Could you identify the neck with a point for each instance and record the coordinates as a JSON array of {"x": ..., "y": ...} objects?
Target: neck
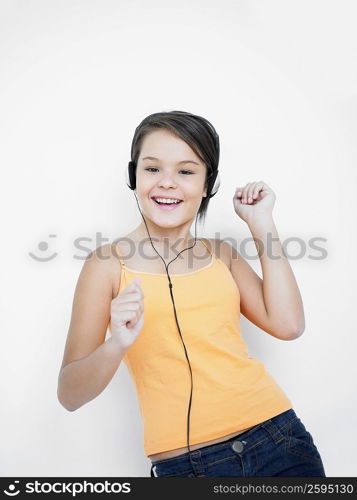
[{"x": 181, "y": 236}]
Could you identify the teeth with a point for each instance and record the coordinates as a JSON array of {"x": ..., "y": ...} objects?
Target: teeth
[{"x": 164, "y": 200}]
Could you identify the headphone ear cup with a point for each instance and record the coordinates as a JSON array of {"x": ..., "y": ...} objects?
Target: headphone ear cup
[
  {"x": 127, "y": 180},
  {"x": 130, "y": 179},
  {"x": 130, "y": 176},
  {"x": 216, "y": 181}
]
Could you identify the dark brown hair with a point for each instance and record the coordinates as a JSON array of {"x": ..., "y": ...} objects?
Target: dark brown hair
[{"x": 195, "y": 130}]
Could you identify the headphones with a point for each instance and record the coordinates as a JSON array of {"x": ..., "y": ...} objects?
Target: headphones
[
  {"x": 213, "y": 183},
  {"x": 213, "y": 180}
]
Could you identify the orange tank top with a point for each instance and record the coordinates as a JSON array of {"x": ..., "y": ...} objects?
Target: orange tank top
[{"x": 231, "y": 390}]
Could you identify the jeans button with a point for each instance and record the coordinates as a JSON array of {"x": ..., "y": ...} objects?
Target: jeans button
[{"x": 238, "y": 446}]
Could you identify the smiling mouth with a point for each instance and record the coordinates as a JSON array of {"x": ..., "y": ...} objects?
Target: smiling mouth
[
  {"x": 163, "y": 203},
  {"x": 167, "y": 206}
]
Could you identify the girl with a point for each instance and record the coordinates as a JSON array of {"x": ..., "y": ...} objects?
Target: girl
[{"x": 172, "y": 302}]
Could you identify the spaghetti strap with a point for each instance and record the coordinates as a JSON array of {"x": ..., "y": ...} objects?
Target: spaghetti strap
[
  {"x": 118, "y": 254},
  {"x": 208, "y": 248}
]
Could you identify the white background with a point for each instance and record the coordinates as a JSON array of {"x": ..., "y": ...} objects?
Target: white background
[{"x": 278, "y": 80}]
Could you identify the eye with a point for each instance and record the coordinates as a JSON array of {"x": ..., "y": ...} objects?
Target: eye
[{"x": 188, "y": 172}]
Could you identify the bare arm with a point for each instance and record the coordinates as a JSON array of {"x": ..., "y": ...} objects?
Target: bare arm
[
  {"x": 89, "y": 362},
  {"x": 281, "y": 293},
  {"x": 83, "y": 380},
  {"x": 273, "y": 303}
]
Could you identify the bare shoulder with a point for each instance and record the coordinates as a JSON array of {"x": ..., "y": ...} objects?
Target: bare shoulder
[
  {"x": 106, "y": 258},
  {"x": 91, "y": 306},
  {"x": 222, "y": 249}
]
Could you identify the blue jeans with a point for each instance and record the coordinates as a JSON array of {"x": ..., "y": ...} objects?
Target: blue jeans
[{"x": 280, "y": 446}]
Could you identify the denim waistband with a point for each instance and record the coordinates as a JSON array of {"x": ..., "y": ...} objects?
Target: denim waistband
[{"x": 251, "y": 438}]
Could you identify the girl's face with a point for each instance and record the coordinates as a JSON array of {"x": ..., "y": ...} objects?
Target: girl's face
[{"x": 168, "y": 168}]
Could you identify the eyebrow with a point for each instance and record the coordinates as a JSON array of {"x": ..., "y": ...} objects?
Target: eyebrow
[{"x": 179, "y": 163}]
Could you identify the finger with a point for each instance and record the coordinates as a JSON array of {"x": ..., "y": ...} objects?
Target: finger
[
  {"x": 131, "y": 287},
  {"x": 250, "y": 192},
  {"x": 136, "y": 317},
  {"x": 126, "y": 317},
  {"x": 129, "y": 307},
  {"x": 123, "y": 309},
  {"x": 138, "y": 285},
  {"x": 133, "y": 296},
  {"x": 137, "y": 282},
  {"x": 259, "y": 186},
  {"x": 139, "y": 325},
  {"x": 140, "y": 291},
  {"x": 245, "y": 193}
]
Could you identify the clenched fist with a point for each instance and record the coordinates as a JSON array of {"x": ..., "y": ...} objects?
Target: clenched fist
[{"x": 127, "y": 314}]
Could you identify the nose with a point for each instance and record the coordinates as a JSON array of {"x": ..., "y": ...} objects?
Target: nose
[{"x": 167, "y": 180}]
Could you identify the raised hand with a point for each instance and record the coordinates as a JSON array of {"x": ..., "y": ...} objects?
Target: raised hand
[
  {"x": 127, "y": 314},
  {"x": 254, "y": 201}
]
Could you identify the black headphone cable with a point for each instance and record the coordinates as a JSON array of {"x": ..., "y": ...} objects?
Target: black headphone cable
[{"x": 178, "y": 326}]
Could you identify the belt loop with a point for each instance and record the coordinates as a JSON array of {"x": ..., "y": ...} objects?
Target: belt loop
[
  {"x": 197, "y": 464},
  {"x": 273, "y": 430}
]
